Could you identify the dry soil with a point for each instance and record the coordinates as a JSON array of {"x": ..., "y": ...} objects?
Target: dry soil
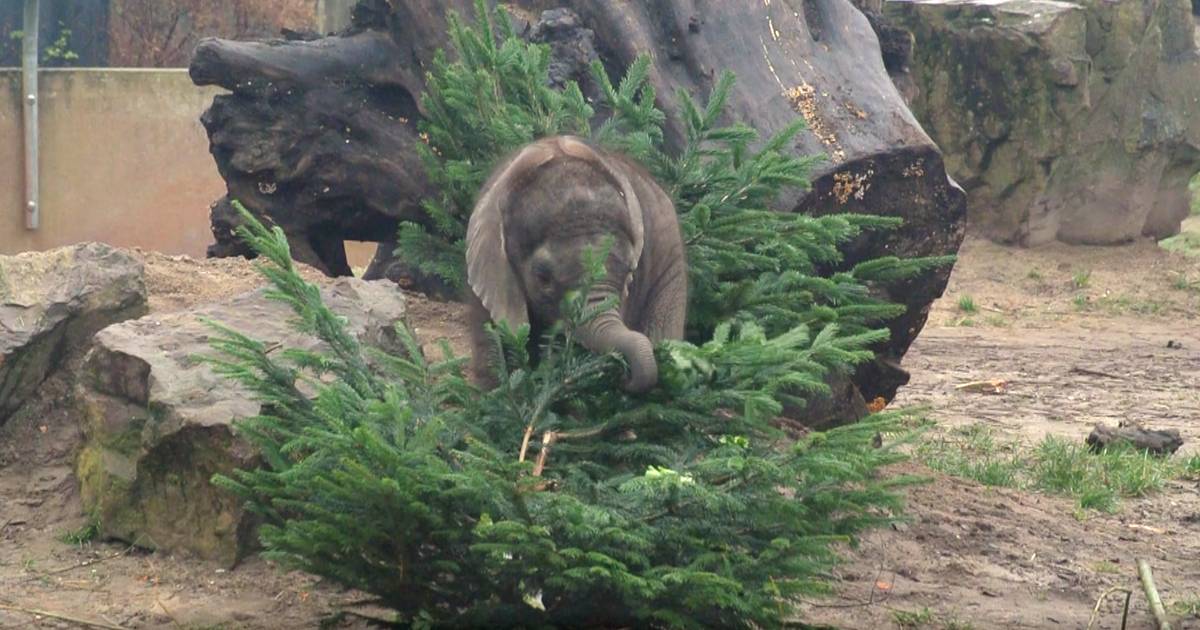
[{"x": 1080, "y": 335}]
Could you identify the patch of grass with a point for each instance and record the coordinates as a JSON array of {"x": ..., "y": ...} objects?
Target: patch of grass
[
  {"x": 997, "y": 321},
  {"x": 1186, "y": 243},
  {"x": 1097, "y": 481},
  {"x": 913, "y": 619},
  {"x": 1082, "y": 279},
  {"x": 86, "y": 533},
  {"x": 966, "y": 304},
  {"x": 1122, "y": 304},
  {"x": 1104, "y": 566},
  {"x": 954, "y": 623},
  {"x": 964, "y": 321},
  {"x": 1035, "y": 275},
  {"x": 1182, "y": 282},
  {"x": 1188, "y": 606},
  {"x": 973, "y": 452},
  {"x": 1080, "y": 301},
  {"x": 1191, "y": 467}
]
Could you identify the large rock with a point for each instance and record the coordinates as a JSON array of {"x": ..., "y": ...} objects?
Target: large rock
[
  {"x": 158, "y": 422},
  {"x": 1074, "y": 121},
  {"x": 51, "y": 303}
]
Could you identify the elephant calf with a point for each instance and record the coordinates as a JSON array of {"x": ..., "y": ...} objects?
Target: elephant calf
[{"x": 537, "y": 214}]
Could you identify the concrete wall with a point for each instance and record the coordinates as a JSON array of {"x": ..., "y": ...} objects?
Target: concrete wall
[
  {"x": 124, "y": 160},
  {"x": 334, "y": 15}
]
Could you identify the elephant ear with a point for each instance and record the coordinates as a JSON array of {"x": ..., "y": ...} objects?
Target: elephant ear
[
  {"x": 619, "y": 175},
  {"x": 489, "y": 272}
]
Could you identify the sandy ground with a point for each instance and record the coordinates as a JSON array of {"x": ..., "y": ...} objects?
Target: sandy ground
[
  {"x": 975, "y": 557},
  {"x": 995, "y": 558}
]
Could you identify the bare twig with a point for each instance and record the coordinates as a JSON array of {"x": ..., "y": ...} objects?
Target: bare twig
[
  {"x": 86, "y": 563},
  {"x": 60, "y": 616},
  {"x": 163, "y": 606},
  {"x": 525, "y": 442},
  {"x": 548, "y": 439},
  {"x": 1156, "y": 605},
  {"x": 1087, "y": 372},
  {"x": 1103, "y": 596}
]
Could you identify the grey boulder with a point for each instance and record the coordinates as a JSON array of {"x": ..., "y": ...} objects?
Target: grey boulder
[
  {"x": 158, "y": 422},
  {"x": 51, "y": 303}
]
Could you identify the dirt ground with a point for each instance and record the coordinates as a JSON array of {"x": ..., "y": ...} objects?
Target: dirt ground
[
  {"x": 1081, "y": 336},
  {"x": 975, "y": 557}
]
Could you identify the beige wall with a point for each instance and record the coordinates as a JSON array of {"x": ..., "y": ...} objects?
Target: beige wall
[{"x": 124, "y": 160}]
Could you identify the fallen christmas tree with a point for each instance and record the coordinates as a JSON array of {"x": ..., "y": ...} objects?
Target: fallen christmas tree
[{"x": 531, "y": 504}]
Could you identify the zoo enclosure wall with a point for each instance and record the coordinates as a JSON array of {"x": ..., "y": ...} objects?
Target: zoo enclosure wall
[{"x": 123, "y": 160}]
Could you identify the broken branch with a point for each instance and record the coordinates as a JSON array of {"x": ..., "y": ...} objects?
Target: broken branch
[
  {"x": 61, "y": 616},
  {"x": 1156, "y": 605}
]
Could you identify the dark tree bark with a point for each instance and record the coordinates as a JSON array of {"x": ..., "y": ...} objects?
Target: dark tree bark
[
  {"x": 318, "y": 135},
  {"x": 1156, "y": 441}
]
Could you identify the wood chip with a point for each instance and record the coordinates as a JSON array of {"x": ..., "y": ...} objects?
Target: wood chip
[{"x": 992, "y": 386}]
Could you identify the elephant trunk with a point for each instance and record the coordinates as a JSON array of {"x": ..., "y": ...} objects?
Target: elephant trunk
[{"x": 607, "y": 332}]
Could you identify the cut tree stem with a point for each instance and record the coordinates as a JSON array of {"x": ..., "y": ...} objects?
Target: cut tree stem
[{"x": 1156, "y": 605}]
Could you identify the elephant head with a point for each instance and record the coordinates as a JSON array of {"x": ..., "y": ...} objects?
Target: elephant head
[{"x": 535, "y": 218}]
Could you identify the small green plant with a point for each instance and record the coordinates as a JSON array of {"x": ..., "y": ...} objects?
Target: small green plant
[
  {"x": 1191, "y": 467},
  {"x": 1035, "y": 275},
  {"x": 965, "y": 322},
  {"x": 1182, "y": 282},
  {"x": 1082, "y": 279},
  {"x": 1187, "y": 606},
  {"x": 997, "y": 321},
  {"x": 60, "y": 48},
  {"x": 913, "y": 619},
  {"x": 1080, "y": 302},
  {"x": 84, "y": 534},
  {"x": 1105, "y": 566},
  {"x": 953, "y": 622},
  {"x": 966, "y": 304}
]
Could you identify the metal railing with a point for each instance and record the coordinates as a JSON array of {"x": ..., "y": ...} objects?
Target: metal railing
[{"x": 29, "y": 109}]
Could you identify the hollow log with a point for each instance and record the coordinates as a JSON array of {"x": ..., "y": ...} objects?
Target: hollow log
[{"x": 317, "y": 135}]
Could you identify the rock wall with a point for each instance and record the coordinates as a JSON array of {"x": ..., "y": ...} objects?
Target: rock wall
[{"x": 1070, "y": 121}]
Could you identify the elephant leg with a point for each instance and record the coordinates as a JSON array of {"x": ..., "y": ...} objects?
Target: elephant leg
[{"x": 483, "y": 369}]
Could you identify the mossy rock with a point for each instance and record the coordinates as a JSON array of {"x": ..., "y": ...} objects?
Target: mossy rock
[
  {"x": 158, "y": 423},
  {"x": 1069, "y": 121}
]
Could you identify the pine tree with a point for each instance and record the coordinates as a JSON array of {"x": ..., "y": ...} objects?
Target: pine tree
[{"x": 528, "y": 504}]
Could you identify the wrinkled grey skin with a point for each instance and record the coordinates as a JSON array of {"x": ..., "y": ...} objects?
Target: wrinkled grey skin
[{"x": 539, "y": 212}]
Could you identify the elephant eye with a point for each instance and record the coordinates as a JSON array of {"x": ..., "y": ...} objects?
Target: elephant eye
[{"x": 543, "y": 271}]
